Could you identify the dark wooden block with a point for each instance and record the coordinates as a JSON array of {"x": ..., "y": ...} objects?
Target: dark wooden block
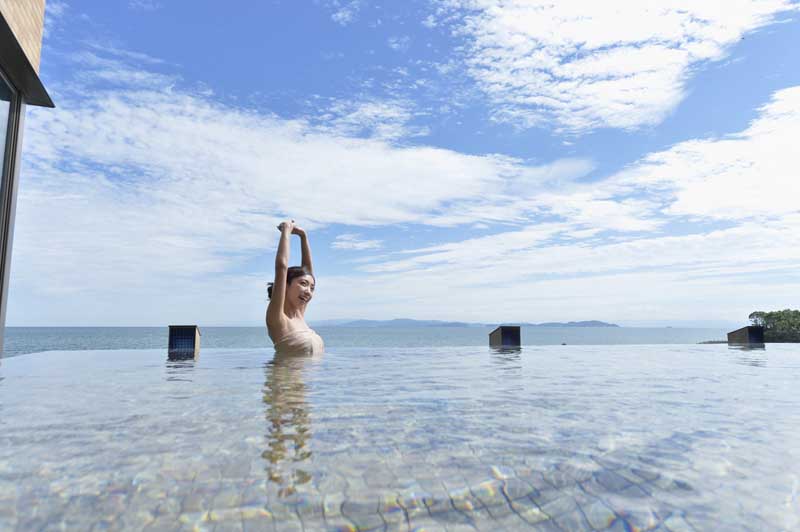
[
  {"x": 184, "y": 342},
  {"x": 505, "y": 336},
  {"x": 752, "y": 334}
]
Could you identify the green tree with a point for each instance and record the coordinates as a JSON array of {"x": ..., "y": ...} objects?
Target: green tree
[
  {"x": 779, "y": 325},
  {"x": 757, "y": 318}
]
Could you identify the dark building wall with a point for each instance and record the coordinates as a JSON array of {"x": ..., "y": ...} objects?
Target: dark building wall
[{"x": 747, "y": 335}]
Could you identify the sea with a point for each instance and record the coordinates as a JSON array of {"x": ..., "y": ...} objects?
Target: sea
[{"x": 23, "y": 340}]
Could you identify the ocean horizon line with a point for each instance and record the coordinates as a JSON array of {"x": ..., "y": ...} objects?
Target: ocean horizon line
[{"x": 421, "y": 323}]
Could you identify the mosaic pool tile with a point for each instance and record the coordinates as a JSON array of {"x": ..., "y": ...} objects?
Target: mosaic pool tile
[
  {"x": 161, "y": 523},
  {"x": 463, "y": 500},
  {"x": 598, "y": 514},
  {"x": 515, "y": 488},
  {"x": 611, "y": 481},
  {"x": 546, "y": 496},
  {"x": 536, "y": 479},
  {"x": 340, "y": 524},
  {"x": 560, "y": 506},
  {"x": 425, "y": 524},
  {"x": 572, "y": 520},
  {"x": 489, "y": 493},
  {"x": 459, "y": 527},
  {"x": 508, "y": 521},
  {"x": 676, "y": 523},
  {"x": 363, "y": 515},
  {"x": 641, "y": 518},
  {"x": 331, "y": 483},
  {"x": 545, "y": 526},
  {"x": 528, "y": 511},
  {"x": 392, "y": 512},
  {"x": 635, "y": 491}
]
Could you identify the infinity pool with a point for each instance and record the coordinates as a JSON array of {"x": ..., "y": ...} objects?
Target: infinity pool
[{"x": 668, "y": 437}]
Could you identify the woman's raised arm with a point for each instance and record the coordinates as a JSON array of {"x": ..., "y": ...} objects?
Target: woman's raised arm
[
  {"x": 305, "y": 249},
  {"x": 275, "y": 314}
]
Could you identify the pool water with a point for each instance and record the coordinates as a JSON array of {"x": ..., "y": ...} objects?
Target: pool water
[{"x": 647, "y": 437}]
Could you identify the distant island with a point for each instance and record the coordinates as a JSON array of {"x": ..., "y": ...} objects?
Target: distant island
[
  {"x": 591, "y": 323},
  {"x": 436, "y": 323}
]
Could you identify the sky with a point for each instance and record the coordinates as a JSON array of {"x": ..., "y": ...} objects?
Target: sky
[{"x": 476, "y": 160}]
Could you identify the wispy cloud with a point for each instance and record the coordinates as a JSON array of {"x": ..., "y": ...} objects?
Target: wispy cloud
[
  {"x": 399, "y": 43},
  {"x": 384, "y": 119},
  {"x": 523, "y": 275},
  {"x": 355, "y": 242},
  {"x": 145, "y": 5},
  {"x": 345, "y": 12},
  {"x": 749, "y": 174},
  {"x": 579, "y": 65},
  {"x": 113, "y": 67},
  {"x": 54, "y": 13}
]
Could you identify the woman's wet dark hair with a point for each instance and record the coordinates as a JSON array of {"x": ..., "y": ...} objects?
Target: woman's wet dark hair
[{"x": 291, "y": 274}]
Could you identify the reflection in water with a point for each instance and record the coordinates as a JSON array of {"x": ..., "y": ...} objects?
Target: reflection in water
[
  {"x": 750, "y": 354},
  {"x": 511, "y": 353},
  {"x": 507, "y": 357},
  {"x": 288, "y": 423},
  {"x": 747, "y": 347},
  {"x": 180, "y": 370}
]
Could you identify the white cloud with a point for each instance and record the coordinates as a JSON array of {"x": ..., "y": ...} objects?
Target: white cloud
[
  {"x": 144, "y": 186},
  {"x": 149, "y": 193},
  {"x": 355, "y": 242},
  {"x": 474, "y": 253},
  {"x": 399, "y": 43},
  {"x": 110, "y": 50},
  {"x": 563, "y": 271},
  {"x": 751, "y": 173},
  {"x": 531, "y": 253},
  {"x": 521, "y": 276},
  {"x": 111, "y": 65},
  {"x": 383, "y": 119},
  {"x": 581, "y": 64},
  {"x": 345, "y": 12},
  {"x": 144, "y": 5},
  {"x": 54, "y": 14},
  {"x": 56, "y": 8}
]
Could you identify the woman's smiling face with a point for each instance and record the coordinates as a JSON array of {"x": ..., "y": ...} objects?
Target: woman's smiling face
[{"x": 300, "y": 290}]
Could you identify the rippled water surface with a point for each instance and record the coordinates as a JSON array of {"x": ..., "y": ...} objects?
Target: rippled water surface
[{"x": 668, "y": 437}]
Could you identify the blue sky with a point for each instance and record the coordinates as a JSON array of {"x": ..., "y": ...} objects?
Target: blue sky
[{"x": 478, "y": 160}]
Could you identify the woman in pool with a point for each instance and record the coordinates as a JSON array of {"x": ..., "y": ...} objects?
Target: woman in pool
[{"x": 288, "y": 297}]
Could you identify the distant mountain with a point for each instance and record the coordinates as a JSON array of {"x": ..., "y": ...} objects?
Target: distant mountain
[
  {"x": 407, "y": 323},
  {"x": 436, "y": 323},
  {"x": 591, "y": 323},
  {"x": 329, "y": 323}
]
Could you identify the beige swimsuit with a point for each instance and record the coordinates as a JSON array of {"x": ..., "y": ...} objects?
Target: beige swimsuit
[{"x": 301, "y": 342}]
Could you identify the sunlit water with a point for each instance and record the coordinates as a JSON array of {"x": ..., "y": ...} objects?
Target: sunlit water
[{"x": 550, "y": 437}]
